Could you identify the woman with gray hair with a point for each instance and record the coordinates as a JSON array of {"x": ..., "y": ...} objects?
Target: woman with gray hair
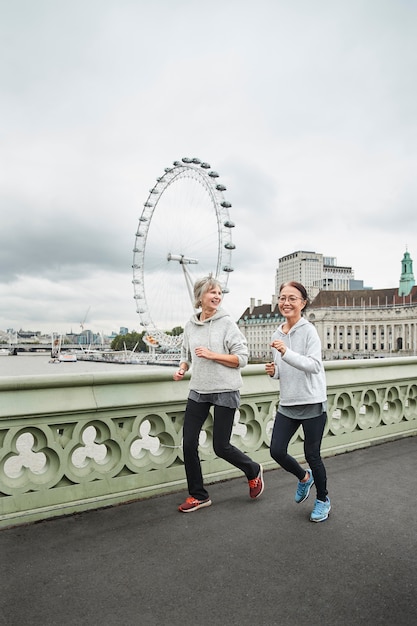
[{"x": 216, "y": 349}]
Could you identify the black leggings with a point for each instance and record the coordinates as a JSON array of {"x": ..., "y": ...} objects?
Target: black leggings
[
  {"x": 195, "y": 415},
  {"x": 284, "y": 429}
]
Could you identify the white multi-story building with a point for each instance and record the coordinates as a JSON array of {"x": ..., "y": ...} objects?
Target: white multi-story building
[
  {"x": 365, "y": 323},
  {"x": 314, "y": 271},
  {"x": 335, "y": 277},
  {"x": 257, "y": 323}
]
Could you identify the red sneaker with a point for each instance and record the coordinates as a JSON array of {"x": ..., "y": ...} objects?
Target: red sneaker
[
  {"x": 192, "y": 504},
  {"x": 257, "y": 485}
]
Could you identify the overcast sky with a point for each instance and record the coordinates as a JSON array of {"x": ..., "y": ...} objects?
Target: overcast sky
[{"x": 306, "y": 108}]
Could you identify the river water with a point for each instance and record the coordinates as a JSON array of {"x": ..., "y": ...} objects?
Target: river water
[{"x": 38, "y": 364}]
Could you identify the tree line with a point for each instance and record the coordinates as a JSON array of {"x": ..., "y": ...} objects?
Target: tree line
[{"x": 132, "y": 339}]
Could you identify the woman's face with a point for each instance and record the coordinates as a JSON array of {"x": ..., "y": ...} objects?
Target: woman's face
[
  {"x": 291, "y": 303},
  {"x": 211, "y": 298}
]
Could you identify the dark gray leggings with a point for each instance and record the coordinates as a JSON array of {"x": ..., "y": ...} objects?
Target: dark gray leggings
[
  {"x": 284, "y": 429},
  {"x": 196, "y": 414}
]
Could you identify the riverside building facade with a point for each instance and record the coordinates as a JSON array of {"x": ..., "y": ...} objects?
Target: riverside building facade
[
  {"x": 351, "y": 323},
  {"x": 258, "y": 323}
]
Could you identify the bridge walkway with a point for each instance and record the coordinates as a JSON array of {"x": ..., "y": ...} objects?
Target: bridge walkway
[{"x": 237, "y": 563}]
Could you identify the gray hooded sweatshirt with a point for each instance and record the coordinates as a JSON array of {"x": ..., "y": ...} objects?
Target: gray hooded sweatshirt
[
  {"x": 300, "y": 370},
  {"x": 219, "y": 334}
]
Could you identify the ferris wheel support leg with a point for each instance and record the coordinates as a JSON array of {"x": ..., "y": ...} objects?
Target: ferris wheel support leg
[
  {"x": 189, "y": 283},
  {"x": 184, "y": 261}
]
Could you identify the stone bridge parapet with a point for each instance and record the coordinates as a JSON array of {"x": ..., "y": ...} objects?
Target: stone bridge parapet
[{"x": 77, "y": 442}]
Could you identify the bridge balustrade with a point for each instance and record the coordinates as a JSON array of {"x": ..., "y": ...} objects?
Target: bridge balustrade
[{"x": 69, "y": 443}]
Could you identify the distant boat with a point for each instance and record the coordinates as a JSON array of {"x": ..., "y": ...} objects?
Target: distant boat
[
  {"x": 67, "y": 357},
  {"x": 60, "y": 357}
]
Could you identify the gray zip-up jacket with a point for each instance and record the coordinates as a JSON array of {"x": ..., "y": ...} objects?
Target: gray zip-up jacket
[
  {"x": 300, "y": 370},
  {"x": 220, "y": 334}
]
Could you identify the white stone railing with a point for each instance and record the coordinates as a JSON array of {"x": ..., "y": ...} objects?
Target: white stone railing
[{"x": 76, "y": 442}]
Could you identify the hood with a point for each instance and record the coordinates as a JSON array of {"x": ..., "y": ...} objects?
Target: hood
[
  {"x": 218, "y": 315},
  {"x": 299, "y": 324}
]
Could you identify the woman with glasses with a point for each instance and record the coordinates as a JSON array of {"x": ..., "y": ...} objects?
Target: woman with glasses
[{"x": 297, "y": 363}]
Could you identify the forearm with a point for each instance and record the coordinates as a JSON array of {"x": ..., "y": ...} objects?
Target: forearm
[
  {"x": 229, "y": 360},
  {"x": 226, "y": 359},
  {"x": 310, "y": 363}
]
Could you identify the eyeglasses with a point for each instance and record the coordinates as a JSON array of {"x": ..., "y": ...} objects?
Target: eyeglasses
[{"x": 291, "y": 299}]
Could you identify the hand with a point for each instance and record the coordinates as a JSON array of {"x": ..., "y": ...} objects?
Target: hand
[
  {"x": 270, "y": 369},
  {"x": 179, "y": 375},
  {"x": 204, "y": 353},
  {"x": 280, "y": 346}
]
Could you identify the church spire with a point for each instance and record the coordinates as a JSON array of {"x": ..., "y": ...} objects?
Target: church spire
[{"x": 407, "y": 277}]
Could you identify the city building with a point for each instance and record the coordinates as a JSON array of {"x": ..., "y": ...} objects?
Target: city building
[
  {"x": 365, "y": 324},
  {"x": 352, "y": 323},
  {"x": 314, "y": 271},
  {"x": 257, "y": 323}
]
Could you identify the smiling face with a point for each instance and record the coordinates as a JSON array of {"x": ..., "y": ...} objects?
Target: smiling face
[
  {"x": 211, "y": 299},
  {"x": 203, "y": 286},
  {"x": 291, "y": 303}
]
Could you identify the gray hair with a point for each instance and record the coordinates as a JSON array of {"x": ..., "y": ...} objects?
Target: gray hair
[{"x": 203, "y": 285}]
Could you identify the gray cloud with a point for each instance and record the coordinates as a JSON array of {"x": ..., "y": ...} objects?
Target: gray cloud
[{"x": 307, "y": 110}]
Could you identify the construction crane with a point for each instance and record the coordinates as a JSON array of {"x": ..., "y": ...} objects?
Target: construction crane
[{"x": 85, "y": 317}]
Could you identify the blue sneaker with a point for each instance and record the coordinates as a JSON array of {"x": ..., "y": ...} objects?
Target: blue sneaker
[
  {"x": 303, "y": 489},
  {"x": 321, "y": 511}
]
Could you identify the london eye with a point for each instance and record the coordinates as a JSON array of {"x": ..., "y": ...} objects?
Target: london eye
[{"x": 184, "y": 233}]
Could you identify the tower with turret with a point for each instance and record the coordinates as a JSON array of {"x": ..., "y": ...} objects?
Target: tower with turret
[{"x": 407, "y": 281}]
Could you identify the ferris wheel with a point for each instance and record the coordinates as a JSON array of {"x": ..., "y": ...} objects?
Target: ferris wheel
[{"x": 184, "y": 233}]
